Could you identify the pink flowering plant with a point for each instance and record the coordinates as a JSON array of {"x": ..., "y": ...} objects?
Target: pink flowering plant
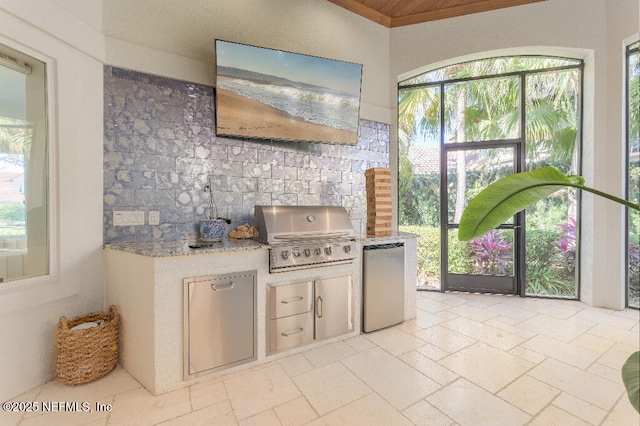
[
  {"x": 567, "y": 242},
  {"x": 492, "y": 254}
]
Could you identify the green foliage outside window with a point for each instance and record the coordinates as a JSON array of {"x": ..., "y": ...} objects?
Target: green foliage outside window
[{"x": 12, "y": 212}]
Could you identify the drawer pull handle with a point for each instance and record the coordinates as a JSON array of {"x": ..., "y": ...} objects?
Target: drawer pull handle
[
  {"x": 291, "y": 300},
  {"x": 226, "y": 287},
  {"x": 289, "y": 333}
]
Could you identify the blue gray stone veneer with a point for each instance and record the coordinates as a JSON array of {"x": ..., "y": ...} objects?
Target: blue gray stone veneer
[{"x": 160, "y": 148}]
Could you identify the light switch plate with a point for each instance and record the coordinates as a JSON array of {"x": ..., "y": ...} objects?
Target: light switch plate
[
  {"x": 128, "y": 218},
  {"x": 154, "y": 218}
]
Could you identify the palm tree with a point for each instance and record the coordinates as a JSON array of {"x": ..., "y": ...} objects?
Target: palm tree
[
  {"x": 15, "y": 136},
  {"x": 461, "y": 156},
  {"x": 488, "y": 109},
  {"x": 418, "y": 115}
]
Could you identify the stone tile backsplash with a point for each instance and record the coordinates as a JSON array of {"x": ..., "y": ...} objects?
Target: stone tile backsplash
[{"x": 160, "y": 148}]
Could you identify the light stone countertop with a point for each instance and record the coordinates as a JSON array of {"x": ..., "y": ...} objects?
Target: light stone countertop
[
  {"x": 227, "y": 245},
  {"x": 393, "y": 237},
  {"x": 181, "y": 247}
]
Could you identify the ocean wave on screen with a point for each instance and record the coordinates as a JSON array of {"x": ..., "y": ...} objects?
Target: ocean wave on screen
[{"x": 330, "y": 109}]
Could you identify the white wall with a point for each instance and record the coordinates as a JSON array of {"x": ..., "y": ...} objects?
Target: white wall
[
  {"x": 623, "y": 18},
  {"x": 176, "y": 39},
  {"x": 587, "y": 29},
  {"x": 30, "y": 310}
]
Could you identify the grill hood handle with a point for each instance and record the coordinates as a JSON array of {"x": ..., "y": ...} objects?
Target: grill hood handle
[{"x": 296, "y": 236}]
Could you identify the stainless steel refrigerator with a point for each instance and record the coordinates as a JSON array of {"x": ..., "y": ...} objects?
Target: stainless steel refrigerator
[{"x": 383, "y": 286}]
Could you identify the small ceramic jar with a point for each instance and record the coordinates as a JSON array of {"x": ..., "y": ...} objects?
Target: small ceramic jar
[{"x": 212, "y": 230}]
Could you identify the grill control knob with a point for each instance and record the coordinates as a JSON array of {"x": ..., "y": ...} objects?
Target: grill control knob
[
  {"x": 327, "y": 251},
  {"x": 346, "y": 249},
  {"x": 317, "y": 251},
  {"x": 296, "y": 254},
  {"x": 307, "y": 252},
  {"x": 284, "y": 254}
]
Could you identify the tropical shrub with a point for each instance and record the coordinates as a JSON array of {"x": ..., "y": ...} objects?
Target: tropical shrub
[
  {"x": 14, "y": 212},
  {"x": 492, "y": 254},
  {"x": 428, "y": 252},
  {"x": 419, "y": 200},
  {"x": 460, "y": 255},
  {"x": 567, "y": 243},
  {"x": 634, "y": 272},
  {"x": 538, "y": 246},
  {"x": 543, "y": 280}
]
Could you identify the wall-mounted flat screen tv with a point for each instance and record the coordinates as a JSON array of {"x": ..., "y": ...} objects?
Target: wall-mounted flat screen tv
[{"x": 272, "y": 94}]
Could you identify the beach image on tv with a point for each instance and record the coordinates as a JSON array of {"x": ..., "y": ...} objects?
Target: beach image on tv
[{"x": 272, "y": 94}]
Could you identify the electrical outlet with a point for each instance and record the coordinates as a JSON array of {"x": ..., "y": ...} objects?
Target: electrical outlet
[
  {"x": 128, "y": 218},
  {"x": 154, "y": 218}
]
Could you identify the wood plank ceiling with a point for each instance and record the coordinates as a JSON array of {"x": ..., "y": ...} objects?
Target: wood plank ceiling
[{"x": 396, "y": 13}]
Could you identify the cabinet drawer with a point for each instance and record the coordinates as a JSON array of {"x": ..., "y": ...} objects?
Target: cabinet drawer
[
  {"x": 290, "y": 332},
  {"x": 290, "y": 299}
]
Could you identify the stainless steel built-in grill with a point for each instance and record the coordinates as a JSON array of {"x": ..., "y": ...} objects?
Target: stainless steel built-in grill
[{"x": 305, "y": 236}]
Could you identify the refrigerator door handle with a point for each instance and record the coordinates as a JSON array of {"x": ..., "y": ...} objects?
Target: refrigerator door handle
[{"x": 319, "y": 306}]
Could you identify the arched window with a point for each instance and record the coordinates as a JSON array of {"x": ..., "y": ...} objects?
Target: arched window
[{"x": 463, "y": 126}]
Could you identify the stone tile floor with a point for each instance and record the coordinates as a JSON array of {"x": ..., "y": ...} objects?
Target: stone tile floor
[{"x": 467, "y": 359}]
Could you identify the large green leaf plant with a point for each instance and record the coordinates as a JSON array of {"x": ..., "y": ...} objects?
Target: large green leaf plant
[{"x": 504, "y": 198}]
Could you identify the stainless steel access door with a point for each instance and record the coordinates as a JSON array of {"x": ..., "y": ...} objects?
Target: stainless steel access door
[
  {"x": 220, "y": 322},
  {"x": 333, "y": 307}
]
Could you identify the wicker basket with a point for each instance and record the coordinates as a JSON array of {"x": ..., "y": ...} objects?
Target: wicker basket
[{"x": 85, "y": 355}]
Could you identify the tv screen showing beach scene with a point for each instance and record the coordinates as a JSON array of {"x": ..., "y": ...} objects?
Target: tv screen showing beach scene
[{"x": 273, "y": 94}]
